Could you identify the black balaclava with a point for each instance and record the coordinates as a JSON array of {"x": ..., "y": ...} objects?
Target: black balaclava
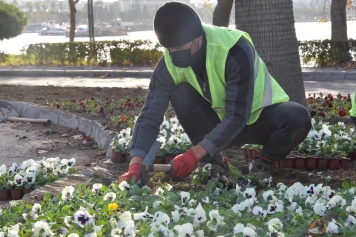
[{"x": 176, "y": 24}]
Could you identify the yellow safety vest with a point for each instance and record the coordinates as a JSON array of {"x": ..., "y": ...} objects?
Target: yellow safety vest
[{"x": 219, "y": 41}]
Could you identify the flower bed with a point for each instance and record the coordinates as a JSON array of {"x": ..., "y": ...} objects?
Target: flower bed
[
  {"x": 172, "y": 137},
  {"x": 30, "y": 174},
  {"x": 130, "y": 210}
]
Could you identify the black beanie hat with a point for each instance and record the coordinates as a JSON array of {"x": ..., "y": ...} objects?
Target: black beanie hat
[{"x": 176, "y": 24}]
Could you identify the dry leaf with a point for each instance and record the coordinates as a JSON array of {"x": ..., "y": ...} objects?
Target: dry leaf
[
  {"x": 41, "y": 151},
  {"x": 100, "y": 153},
  {"x": 77, "y": 137},
  {"x": 87, "y": 138},
  {"x": 105, "y": 76}
]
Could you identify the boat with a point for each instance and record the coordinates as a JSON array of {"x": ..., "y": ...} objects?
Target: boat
[{"x": 51, "y": 28}]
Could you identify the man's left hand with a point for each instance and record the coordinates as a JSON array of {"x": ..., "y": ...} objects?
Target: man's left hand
[{"x": 184, "y": 164}]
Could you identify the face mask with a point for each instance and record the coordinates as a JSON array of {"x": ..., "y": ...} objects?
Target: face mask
[{"x": 182, "y": 58}]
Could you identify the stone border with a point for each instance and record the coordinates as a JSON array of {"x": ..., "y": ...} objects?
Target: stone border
[
  {"x": 92, "y": 128},
  {"x": 66, "y": 119}
]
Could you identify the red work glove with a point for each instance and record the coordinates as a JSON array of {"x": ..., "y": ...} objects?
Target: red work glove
[
  {"x": 133, "y": 170},
  {"x": 184, "y": 164}
]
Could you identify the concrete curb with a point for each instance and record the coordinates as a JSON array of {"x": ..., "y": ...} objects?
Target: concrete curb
[
  {"x": 309, "y": 74},
  {"x": 97, "y": 131}
]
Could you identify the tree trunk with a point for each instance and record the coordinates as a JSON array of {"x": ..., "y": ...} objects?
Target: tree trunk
[
  {"x": 72, "y": 12},
  {"x": 338, "y": 20},
  {"x": 270, "y": 24},
  {"x": 222, "y": 11}
]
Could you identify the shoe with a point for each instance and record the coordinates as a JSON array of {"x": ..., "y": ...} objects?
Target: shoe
[{"x": 261, "y": 168}]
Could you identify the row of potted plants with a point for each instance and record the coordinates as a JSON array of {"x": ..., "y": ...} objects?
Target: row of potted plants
[
  {"x": 325, "y": 147},
  {"x": 21, "y": 179},
  {"x": 301, "y": 161}
]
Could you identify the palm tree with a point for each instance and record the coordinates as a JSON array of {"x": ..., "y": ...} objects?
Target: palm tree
[
  {"x": 221, "y": 14},
  {"x": 270, "y": 23},
  {"x": 338, "y": 20}
]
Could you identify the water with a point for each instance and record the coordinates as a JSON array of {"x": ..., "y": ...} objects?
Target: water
[{"x": 304, "y": 31}]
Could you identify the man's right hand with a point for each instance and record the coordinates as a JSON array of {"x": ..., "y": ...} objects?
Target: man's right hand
[{"x": 134, "y": 170}]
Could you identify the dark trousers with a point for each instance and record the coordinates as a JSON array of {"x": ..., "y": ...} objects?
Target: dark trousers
[{"x": 280, "y": 127}]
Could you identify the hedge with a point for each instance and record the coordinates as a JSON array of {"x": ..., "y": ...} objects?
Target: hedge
[{"x": 145, "y": 53}]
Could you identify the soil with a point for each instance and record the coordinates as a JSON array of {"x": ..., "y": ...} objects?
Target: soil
[{"x": 42, "y": 95}]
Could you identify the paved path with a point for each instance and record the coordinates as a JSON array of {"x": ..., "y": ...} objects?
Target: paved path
[{"x": 309, "y": 73}]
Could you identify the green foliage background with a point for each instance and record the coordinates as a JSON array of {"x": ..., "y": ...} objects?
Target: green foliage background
[{"x": 12, "y": 20}]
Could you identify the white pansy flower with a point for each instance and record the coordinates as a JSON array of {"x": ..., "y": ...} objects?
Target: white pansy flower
[
  {"x": 168, "y": 187},
  {"x": 175, "y": 215},
  {"x": 184, "y": 230},
  {"x": 276, "y": 223},
  {"x": 30, "y": 177},
  {"x": 192, "y": 202},
  {"x": 164, "y": 125},
  {"x": 249, "y": 193},
  {"x": 237, "y": 189},
  {"x": 116, "y": 232},
  {"x": 206, "y": 199},
  {"x": 242, "y": 205},
  {"x": 96, "y": 188},
  {"x": 71, "y": 162},
  {"x": 82, "y": 218},
  {"x": 319, "y": 207},
  {"x": 184, "y": 196},
  {"x": 336, "y": 200},
  {"x": 92, "y": 234},
  {"x": 275, "y": 207},
  {"x": 333, "y": 227},
  {"x": 143, "y": 215},
  {"x": 156, "y": 203},
  {"x": 173, "y": 120},
  {"x": 266, "y": 194},
  {"x": 281, "y": 187},
  {"x": 259, "y": 211},
  {"x": 200, "y": 215},
  {"x": 42, "y": 228},
  {"x": 126, "y": 224},
  {"x": 215, "y": 220},
  {"x": 246, "y": 231},
  {"x": 206, "y": 167},
  {"x": 36, "y": 209},
  {"x": 295, "y": 190},
  {"x": 14, "y": 203},
  {"x": 199, "y": 233},
  {"x": 350, "y": 221},
  {"x": 160, "y": 218},
  {"x": 68, "y": 221},
  {"x": 73, "y": 235},
  {"x": 110, "y": 196},
  {"x": 159, "y": 191},
  {"x": 18, "y": 179},
  {"x": 67, "y": 193},
  {"x": 124, "y": 186}
]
